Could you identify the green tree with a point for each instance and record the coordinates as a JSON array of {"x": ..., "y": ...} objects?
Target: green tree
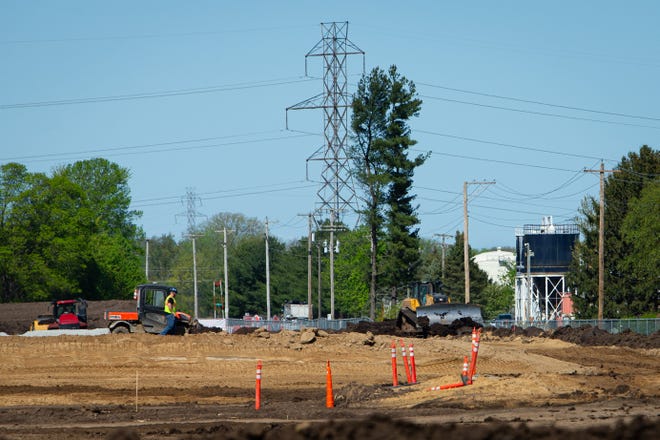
[
  {"x": 625, "y": 293},
  {"x": 14, "y": 179},
  {"x": 431, "y": 260},
  {"x": 108, "y": 193},
  {"x": 382, "y": 107},
  {"x": 352, "y": 284},
  {"x": 51, "y": 227},
  {"x": 162, "y": 256},
  {"x": 499, "y": 297},
  {"x": 369, "y": 125},
  {"x": 115, "y": 253},
  {"x": 70, "y": 234},
  {"x": 641, "y": 237},
  {"x": 455, "y": 275}
]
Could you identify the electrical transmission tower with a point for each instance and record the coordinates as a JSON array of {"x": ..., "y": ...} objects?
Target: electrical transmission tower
[
  {"x": 336, "y": 193},
  {"x": 191, "y": 200}
]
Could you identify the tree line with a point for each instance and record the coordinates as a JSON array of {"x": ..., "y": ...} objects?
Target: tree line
[{"x": 71, "y": 233}]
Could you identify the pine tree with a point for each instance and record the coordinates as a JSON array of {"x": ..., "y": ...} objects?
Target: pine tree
[{"x": 383, "y": 105}]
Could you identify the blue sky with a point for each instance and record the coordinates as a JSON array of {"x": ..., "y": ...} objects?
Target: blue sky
[{"x": 191, "y": 97}]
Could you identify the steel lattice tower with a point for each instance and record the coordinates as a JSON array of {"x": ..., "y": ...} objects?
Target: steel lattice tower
[{"x": 336, "y": 193}]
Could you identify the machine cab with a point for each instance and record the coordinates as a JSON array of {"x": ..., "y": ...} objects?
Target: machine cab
[{"x": 151, "y": 306}]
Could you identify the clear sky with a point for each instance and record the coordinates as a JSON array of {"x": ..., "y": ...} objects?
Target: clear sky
[{"x": 191, "y": 97}]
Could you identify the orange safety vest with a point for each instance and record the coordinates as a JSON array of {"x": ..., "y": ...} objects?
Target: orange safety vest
[{"x": 169, "y": 309}]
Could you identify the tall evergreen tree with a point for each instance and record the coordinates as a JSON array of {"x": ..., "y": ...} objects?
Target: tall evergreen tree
[
  {"x": 382, "y": 107},
  {"x": 369, "y": 125}
]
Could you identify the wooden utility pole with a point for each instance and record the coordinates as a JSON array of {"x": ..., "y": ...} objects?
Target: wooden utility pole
[
  {"x": 466, "y": 253},
  {"x": 310, "y": 314},
  {"x": 466, "y": 246},
  {"x": 194, "y": 252},
  {"x": 601, "y": 238},
  {"x": 226, "y": 270},
  {"x": 444, "y": 251},
  {"x": 267, "y": 275}
]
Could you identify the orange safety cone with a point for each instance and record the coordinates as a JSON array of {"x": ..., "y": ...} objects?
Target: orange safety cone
[
  {"x": 413, "y": 367},
  {"x": 475, "y": 352},
  {"x": 405, "y": 361},
  {"x": 395, "y": 379},
  {"x": 329, "y": 397},
  {"x": 257, "y": 401},
  {"x": 448, "y": 386},
  {"x": 464, "y": 373}
]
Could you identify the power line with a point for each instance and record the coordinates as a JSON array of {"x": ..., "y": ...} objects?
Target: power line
[
  {"x": 459, "y": 156},
  {"x": 519, "y": 147},
  {"x": 140, "y": 204},
  {"x": 529, "y": 101},
  {"x": 531, "y": 112},
  {"x": 148, "y": 36},
  {"x": 118, "y": 150},
  {"x": 160, "y": 94}
]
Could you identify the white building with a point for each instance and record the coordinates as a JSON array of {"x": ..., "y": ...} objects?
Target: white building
[{"x": 494, "y": 263}]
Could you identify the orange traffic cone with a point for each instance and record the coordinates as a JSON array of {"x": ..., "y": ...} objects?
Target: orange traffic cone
[{"x": 329, "y": 397}]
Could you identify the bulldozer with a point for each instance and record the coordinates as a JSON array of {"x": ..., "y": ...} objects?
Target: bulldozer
[
  {"x": 65, "y": 314},
  {"x": 427, "y": 304}
]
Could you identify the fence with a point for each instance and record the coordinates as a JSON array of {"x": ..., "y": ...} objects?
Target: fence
[
  {"x": 641, "y": 326},
  {"x": 232, "y": 325},
  {"x": 614, "y": 326}
]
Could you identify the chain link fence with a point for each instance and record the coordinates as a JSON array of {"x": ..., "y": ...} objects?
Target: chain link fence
[{"x": 644, "y": 326}]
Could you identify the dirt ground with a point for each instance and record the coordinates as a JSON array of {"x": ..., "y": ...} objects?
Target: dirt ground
[{"x": 575, "y": 383}]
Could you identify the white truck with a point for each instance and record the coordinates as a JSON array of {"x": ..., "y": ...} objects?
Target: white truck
[{"x": 293, "y": 311}]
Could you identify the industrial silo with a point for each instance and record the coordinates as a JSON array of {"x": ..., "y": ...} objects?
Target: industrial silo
[{"x": 543, "y": 255}]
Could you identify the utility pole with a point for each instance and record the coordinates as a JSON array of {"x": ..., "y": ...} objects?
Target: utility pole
[
  {"x": 529, "y": 254},
  {"x": 601, "y": 238},
  {"x": 224, "y": 247},
  {"x": 310, "y": 309},
  {"x": 267, "y": 276},
  {"x": 332, "y": 264},
  {"x": 225, "y": 267},
  {"x": 192, "y": 214},
  {"x": 318, "y": 278},
  {"x": 195, "y": 277},
  {"x": 466, "y": 246},
  {"x": 444, "y": 250},
  {"x": 310, "y": 239},
  {"x": 194, "y": 252},
  {"x": 146, "y": 260}
]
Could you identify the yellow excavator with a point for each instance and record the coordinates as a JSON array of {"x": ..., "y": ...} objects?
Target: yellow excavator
[{"x": 427, "y": 305}]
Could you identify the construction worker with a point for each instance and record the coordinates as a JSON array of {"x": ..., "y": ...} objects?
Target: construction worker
[{"x": 170, "y": 311}]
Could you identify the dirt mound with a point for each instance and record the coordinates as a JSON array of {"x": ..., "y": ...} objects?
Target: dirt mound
[
  {"x": 592, "y": 336},
  {"x": 387, "y": 327},
  {"x": 383, "y": 427}
]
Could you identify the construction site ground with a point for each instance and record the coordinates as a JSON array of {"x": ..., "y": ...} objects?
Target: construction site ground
[{"x": 573, "y": 384}]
